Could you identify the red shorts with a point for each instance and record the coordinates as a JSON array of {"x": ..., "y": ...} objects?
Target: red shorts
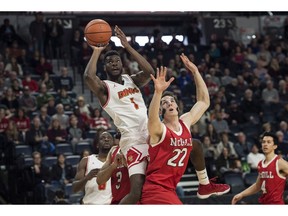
[{"x": 156, "y": 194}]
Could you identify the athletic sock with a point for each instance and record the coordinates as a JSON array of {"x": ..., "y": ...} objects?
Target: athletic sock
[{"x": 203, "y": 177}]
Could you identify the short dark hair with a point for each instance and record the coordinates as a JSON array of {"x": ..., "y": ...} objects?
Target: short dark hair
[
  {"x": 110, "y": 53},
  {"x": 268, "y": 133},
  {"x": 169, "y": 93}
]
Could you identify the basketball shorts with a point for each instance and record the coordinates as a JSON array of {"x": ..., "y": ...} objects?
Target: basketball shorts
[
  {"x": 156, "y": 194},
  {"x": 136, "y": 156}
]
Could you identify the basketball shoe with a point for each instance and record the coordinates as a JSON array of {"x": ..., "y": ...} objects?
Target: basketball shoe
[{"x": 205, "y": 191}]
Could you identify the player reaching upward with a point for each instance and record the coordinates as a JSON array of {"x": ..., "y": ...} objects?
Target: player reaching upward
[
  {"x": 121, "y": 98},
  {"x": 171, "y": 142}
]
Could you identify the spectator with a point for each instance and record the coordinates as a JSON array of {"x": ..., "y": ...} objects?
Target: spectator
[
  {"x": 9, "y": 80},
  {"x": 38, "y": 30},
  {"x": 220, "y": 124},
  {"x": 75, "y": 133},
  {"x": 254, "y": 157},
  {"x": 37, "y": 138},
  {"x": 36, "y": 177},
  {"x": 4, "y": 120},
  {"x": 13, "y": 135},
  {"x": 43, "y": 66},
  {"x": 85, "y": 109},
  {"x": 242, "y": 146},
  {"x": 250, "y": 107},
  {"x": 48, "y": 81},
  {"x": 7, "y": 32},
  {"x": 55, "y": 32},
  {"x": 45, "y": 119},
  {"x": 67, "y": 101},
  {"x": 10, "y": 101},
  {"x": 43, "y": 97},
  {"x": 194, "y": 35},
  {"x": 13, "y": 65},
  {"x": 22, "y": 121},
  {"x": 98, "y": 122},
  {"x": 61, "y": 116},
  {"x": 283, "y": 144},
  {"x": 64, "y": 80},
  {"x": 17, "y": 88},
  {"x": 227, "y": 163},
  {"x": 31, "y": 83},
  {"x": 62, "y": 173},
  {"x": 211, "y": 132},
  {"x": 283, "y": 91},
  {"x": 28, "y": 101},
  {"x": 235, "y": 115},
  {"x": 226, "y": 143},
  {"x": 75, "y": 46},
  {"x": 56, "y": 134}
]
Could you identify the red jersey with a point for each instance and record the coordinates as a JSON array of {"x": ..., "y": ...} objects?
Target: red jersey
[
  {"x": 272, "y": 183},
  {"x": 22, "y": 124},
  {"x": 169, "y": 158},
  {"x": 120, "y": 182}
]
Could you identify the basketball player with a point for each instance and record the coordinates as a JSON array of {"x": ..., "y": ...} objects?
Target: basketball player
[
  {"x": 272, "y": 174},
  {"x": 121, "y": 98},
  {"x": 171, "y": 142},
  {"x": 115, "y": 168},
  {"x": 87, "y": 170}
]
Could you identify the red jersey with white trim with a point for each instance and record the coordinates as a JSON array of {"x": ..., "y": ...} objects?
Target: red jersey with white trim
[
  {"x": 168, "y": 159},
  {"x": 272, "y": 183},
  {"x": 120, "y": 182},
  {"x": 126, "y": 106}
]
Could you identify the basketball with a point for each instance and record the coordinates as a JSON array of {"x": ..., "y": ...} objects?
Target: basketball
[{"x": 97, "y": 32}]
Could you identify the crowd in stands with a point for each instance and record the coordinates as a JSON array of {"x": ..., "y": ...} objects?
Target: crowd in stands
[{"x": 248, "y": 87}]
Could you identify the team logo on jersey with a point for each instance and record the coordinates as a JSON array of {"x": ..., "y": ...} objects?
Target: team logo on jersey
[
  {"x": 130, "y": 158},
  {"x": 127, "y": 92}
]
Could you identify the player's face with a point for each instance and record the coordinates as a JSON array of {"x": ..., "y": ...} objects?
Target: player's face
[
  {"x": 268, "y": 144},
  {"x": 106, "y": 141},
  {"x": 169, "y": 104},
  {"x": 113, "y": 65}
]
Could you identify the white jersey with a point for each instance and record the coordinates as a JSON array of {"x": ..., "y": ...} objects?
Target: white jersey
[
  {"x": 127, "y": 108},
  {"x": 94, "y": 193}
]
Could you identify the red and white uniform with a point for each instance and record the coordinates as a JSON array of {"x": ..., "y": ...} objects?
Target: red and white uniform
[
  {"x": 94, "y": 193},
  {"x": 272, "y": 182},
  {"x": 167, "y": 164},
  {"x": 125, "y": 105},
  {"x": 120, "y": 182}
]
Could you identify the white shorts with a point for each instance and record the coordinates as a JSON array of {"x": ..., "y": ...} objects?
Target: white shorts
[{"x": 136, "y": 156}]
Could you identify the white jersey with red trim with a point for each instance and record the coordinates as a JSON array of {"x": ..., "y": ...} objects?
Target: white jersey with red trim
[
  {"x": 94, "y": 193},
  {"x": 127, "y": 108}
]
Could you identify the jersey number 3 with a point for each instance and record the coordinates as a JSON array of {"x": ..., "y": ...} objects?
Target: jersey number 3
[{"x": 178, "y": 153}]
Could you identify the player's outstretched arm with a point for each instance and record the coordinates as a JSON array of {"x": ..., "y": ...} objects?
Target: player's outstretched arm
[
  {"x": 202, "y": 94},
  {"x": 92, "y": 80},
  {"x": 142, "y": 77},
  {"x": 155, "y": 126},
  {"x": 107, "y": 169},
  {"x": 254, "y": 188}
]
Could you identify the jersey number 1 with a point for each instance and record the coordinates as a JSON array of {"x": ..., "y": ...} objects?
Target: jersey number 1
[{"x": 135, "y": 104}]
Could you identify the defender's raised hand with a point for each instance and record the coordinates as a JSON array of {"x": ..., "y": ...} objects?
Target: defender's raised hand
[
  {"x": 188, "y": 64},
  {"x": 160, "y": 83}
]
